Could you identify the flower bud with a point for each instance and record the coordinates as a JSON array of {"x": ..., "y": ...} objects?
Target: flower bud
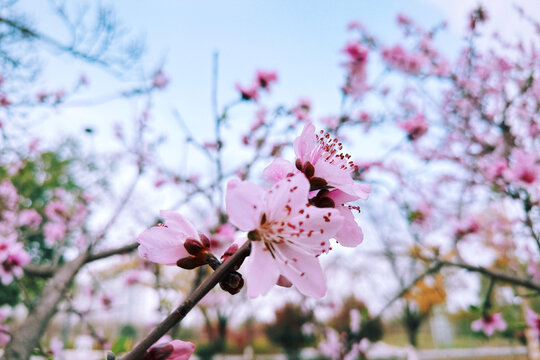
[{"x": 232, "y": 283}]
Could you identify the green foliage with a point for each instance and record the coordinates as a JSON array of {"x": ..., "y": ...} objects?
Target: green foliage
[{"x": 286, "y": 330}]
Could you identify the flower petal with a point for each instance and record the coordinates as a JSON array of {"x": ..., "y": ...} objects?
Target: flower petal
[
  {"x": 162, "y": 245},
  {"x": 305, "y": 273},
  {"x": 277, "y": 170},
  {"x": 350, "y": 234},
  {"x": 286, "y": 197},
  {"x": 244, "y": 202},
  {"x": 305, "y": 143},
  {"x": 262, "y": 270},
  {"x": 177, "y": 222}
]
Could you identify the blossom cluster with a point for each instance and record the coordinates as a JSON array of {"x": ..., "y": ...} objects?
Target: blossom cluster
[{"x": 289, "y": 224}]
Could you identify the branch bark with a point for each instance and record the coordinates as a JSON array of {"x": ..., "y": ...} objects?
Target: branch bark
[
  {"x": 28, "y": 334},
  {"x": 139, "y": 351}
]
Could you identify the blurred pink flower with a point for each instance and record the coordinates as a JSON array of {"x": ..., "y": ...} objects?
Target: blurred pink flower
[
  {"x": 248, "y": 93},
  {"x": 264, "y": 78},
  {"x": 286, "y": 232},
  {"x": 160, "y": 80},
  {"x": 4, "y": 335},
  {"x": 57, "y": 211},
  {"x": 54, "y": 231},
  {"x": 56, "y": 348},
  {"x": 524, "y": 170},
  {"x": 30, "y": 218},
  {"x": 12, "y": 259},
  {"x": 415, "y": 126},
  {"x": 489, "y": 324},
  {"x": 533, "y": 321}
]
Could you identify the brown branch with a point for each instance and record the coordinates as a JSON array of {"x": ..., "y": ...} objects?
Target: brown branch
[
  {"x": 28, "y": 334},
  {"x": 139, "y": 351},
  {"x": 48, "y": 271},
  {"x": 406, "y": 289},
  {"x": 495, "y": 274}
]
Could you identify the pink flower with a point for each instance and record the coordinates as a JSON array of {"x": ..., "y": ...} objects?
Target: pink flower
[
  {"x": 160, "y": 80},
  {"x": 248, "y": 93},
  {"x": 56, "y": 210},
  {"x": 4, "y": 101},
  {"x": 287, "y": 233},
  {"x": 525, "y": 170},
  {"x": 533, "y": 321},
  {"x": 403, "y": 19},
  {"x": 356, "y": 84},
  {"x": 415, "y": 126},
  {"x": 265, "y": 78},
  {"x": 400, "y": 59},
  {"x": 56, "y": 348},
  {"x": 30, "y": 218},
  {"x": 164, "y": 244},
  {"x": 302, "y": 109},
  {"x": 319, "y": 157},
  {"x": 12, "y": 258},
  {"x": 355, "y": 51},
  {"x": 54, "y": 231},
  {"x": 489, "y": 324},
  {"x": 4, "y": 335},
  {"x": 8, "y": 194},
  {"x": 170, "y": 350}
]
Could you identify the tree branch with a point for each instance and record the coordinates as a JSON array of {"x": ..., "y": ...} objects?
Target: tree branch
[{"x": 139, "y": 351}]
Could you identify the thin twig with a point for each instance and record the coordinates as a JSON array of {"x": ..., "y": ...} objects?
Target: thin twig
[{"x": 176, "y": 316}]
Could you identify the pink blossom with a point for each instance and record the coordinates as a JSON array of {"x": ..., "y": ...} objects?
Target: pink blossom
[
  {"x": 248, "y": 93},
  {"x": 320, "y": 156},
  {"x": 8, "y": 194},
  {"x": 30, "y": 218},
  {"x": 356, "y": 84},
  {"x": 265, "y": 78},
  {"x": 56, "y": 348},
  {"x": 331, "y": 346},
  {"x": 415, "y": 126},
  {"x": 54, "y": 231},
  {"x": 42, "y": 96},
  {"x": 287, "y": 233},
  {"x": 4, "y": 101},
  {"x": 468, "y": 225},
  {"x": 12, "y": 257},
  {"x": 106, "y": 301},
  {"x": 132, "y": 277},
  {"x": 400, "y": 59},
  {"x": 223, "y": 236},
  {"x": 356, "y": 51},
  {"x": 57, "y": 211},
  {"x": 331, "y": 122},
  {"x": 494, "y": 169},
  {"x": 302, "y": 109},
  {"x": 4, "y": 335},
  {"x": 489, "y": 324},
  {"x": 524, "y": 170},
  {"x": 533, "y": 265},
  {"x": 170, "y": 350},
  {"x": 164, "y": 244},
  {"x": 533, "y": 321},
  {"x": 160, "y": 80},
  {"x": 355, "y": 25},
  {"x": 403, "y": 19}
]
